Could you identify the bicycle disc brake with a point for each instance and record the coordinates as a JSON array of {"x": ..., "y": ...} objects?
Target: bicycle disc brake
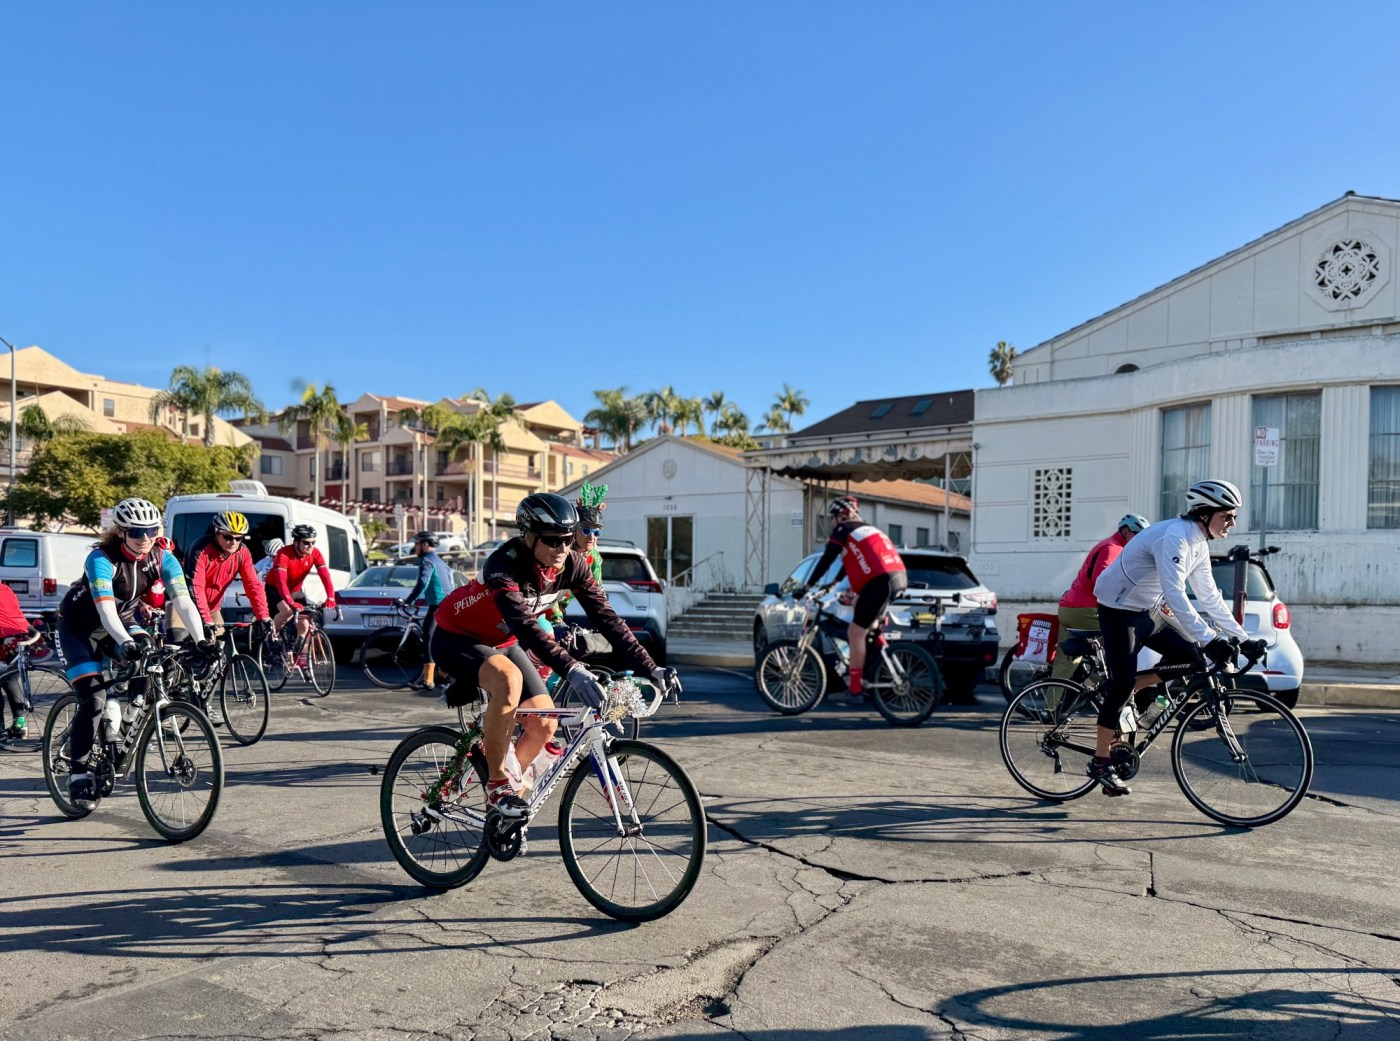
[
  {"x": 505, "y": 839},
  {"x": 1125, "y": 759}
]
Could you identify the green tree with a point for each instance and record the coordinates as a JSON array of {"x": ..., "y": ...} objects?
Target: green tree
[
  {"x": 733, "y": 422},
  {"x": 661, "y": 406},
  {"x": 347, "y": 433},
  {"x": 208, "y": 392},
  {"x": 618, "y": 416},
  {"x": 690, "y": 412},
  {"x": 999, "y": 362},
  {"x": 775, "y": 421},
  {"x": 714, "y": 404},
  {"x": 792, "y": 402},
  {"x": 75, "y": 477},
  {"x": 35, "y": 426},
  {"x": 320, "y": 409}
]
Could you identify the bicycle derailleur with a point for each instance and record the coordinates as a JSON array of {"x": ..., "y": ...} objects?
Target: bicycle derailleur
[{"x": 505, "y": 839}]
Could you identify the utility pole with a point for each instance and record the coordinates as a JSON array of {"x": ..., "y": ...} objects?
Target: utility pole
[{"x": 14, "y": 439}]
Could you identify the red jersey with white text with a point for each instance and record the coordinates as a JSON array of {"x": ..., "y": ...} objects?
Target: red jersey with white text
[{"x": 866, "y": 553}]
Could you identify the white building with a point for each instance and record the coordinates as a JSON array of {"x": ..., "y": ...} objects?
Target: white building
[
  {"x": 1299, "y": 331},
  {"x": 684, "y": 502}
]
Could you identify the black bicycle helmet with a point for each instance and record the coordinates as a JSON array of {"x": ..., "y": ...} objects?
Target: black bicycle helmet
[
  {"x": 426, "y": 536},
  {"x": 304, "y": 531},
  {"x": 545, "y": 513},
  {"x": 845, "y": 504}
]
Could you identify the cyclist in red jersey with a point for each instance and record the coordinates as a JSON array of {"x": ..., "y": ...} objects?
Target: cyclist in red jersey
[
  {"x": 874, "y": 568},
  {"x": 222, "y": 560},
  {"x": 289, "y": 569},
  {"x": 487, "y": 629}
]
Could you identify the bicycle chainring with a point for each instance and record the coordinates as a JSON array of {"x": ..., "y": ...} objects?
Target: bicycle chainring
[
  {"x": 505, "y": 839},
  {"x": 1125, "y": 759}
]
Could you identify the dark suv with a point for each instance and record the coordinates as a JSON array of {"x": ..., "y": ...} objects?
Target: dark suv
[{"x": 969, "y": 627}]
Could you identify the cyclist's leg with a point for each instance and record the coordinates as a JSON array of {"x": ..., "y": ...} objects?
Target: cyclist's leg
[
  {"x": 85, "y": 673},
  {"x": 1122, "y": 635},
  {"x": 870, "y": 604},
  {"x": 1084, "y": 619},
  {"x": 14, "y": 694},
  {"x": 429, "y": 665},
  {"x": 281, "y": 609},
  {"x": 535, "y": 731}
]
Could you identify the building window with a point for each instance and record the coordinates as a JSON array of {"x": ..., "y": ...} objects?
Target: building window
[
  {"x": 920, "y": 536},
  {"x": 1291, "y": 501},
  {"x": 1050, "y": 512},
  {"x": 270, "y": 465},
  {"x": 370, "y": 494},
  {"x": 109, "y": 407},
  {"x": 1185, "y": 454},
  {"x": 882, "y": 410},
  {"x": 194, "y": 430},
  {"x": 1383, "y": 498},
  {"x": 897, "y": 534},
  {"x": 369, "y": 461},
  {"x": 921, "y": 406}
]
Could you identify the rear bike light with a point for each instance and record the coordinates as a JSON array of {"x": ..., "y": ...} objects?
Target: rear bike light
[{"x": 1281, "y": 616}]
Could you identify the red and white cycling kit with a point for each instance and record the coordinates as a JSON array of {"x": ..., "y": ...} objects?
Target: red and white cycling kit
[
  {"x": 866, "y": 553},
  {"x": 289, "y": 571},
  {"x": 214, "y": 573}
]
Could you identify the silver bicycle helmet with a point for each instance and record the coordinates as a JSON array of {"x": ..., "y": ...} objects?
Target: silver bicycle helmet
[{"x": 136, "y": 513}]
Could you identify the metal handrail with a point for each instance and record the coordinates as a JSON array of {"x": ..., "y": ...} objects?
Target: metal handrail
[{"x": 676, "y": 580}]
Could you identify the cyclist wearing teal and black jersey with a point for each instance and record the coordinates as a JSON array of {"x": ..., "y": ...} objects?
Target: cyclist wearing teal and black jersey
[
  {"x": 434, "y": 583},
  {"x": 99, "y": 616}
]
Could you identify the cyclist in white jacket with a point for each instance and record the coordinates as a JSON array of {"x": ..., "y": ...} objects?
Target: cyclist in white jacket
[{"x": 1159, "y": 564}]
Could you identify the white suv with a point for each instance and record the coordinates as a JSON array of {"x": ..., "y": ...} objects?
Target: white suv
[{"x": 636, "y": 594}]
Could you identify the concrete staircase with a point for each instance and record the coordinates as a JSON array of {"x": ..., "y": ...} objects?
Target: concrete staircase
[{"x": 720, "y": 616}]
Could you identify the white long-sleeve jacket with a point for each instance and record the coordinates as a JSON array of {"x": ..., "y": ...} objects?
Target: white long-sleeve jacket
[{"x": 1159, "y": 562}]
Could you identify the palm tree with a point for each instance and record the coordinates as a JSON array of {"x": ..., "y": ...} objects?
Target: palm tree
[
  {"x": 715, "y": 404},
  {"x": 348, "y": 432},
  {"x": 617, "y": 416},
  {"x": 999, "y": 362},
  {"x": 775, "y": 421},
  {"x": 208, "y": 393},
  {"x": 35, "y": 426},
  {"x": 792, "y": 402},
  {"x": 688, "y": 411},
  {"x": 320, "y": 410},
  {"x": 732, "y": 420},
  {"x": 485, "y": 426},
  {"x": 661, "y": 405}
]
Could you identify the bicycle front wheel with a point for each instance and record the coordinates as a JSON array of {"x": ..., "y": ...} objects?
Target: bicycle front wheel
[
  {"x": 1250, "y": 766},
  {"x": 629, "y": 727},
  {"x": 905, "y": 683},
  {"x": 393, "y": 657},
  {"x": 646, "y": 868},
  {"x": 432, "y": 811},
  {"x": 179, "y": 772},
  {"x": 1015, "y": 676},
  {"x": 320, "y": 662},
  {"x": 1047, "y": 739},
  {"x": 790, "y": 678},
  {"x": 272, "y": 659},
  {"x": 244, "y": 700},
  {"x": 46, "y": 685},
  {"x": 58, "y": 763}
]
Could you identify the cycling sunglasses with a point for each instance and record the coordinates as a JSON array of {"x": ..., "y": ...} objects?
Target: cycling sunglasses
[
  {"x": 590, "y": 532},
  {"x": 231, "y": 537},
  {"x": 142, "y": 533},
  {"x": 556, "y": 541}
]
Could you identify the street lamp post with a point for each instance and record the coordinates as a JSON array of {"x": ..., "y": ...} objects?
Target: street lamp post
[{"x": 14, "y": 439}]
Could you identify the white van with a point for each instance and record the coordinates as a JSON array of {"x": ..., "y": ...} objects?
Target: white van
[
  {"x": 40, "y": 566},
  {"x": 339, "y": 538}
]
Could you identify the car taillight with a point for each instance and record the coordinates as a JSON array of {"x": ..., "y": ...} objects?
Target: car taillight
[
  {"x": 50, "y": 586},
  {"x": 355, "y": 601},
  {"x": 1281, "y": 617},
  {"x": 646, "y": 585}
]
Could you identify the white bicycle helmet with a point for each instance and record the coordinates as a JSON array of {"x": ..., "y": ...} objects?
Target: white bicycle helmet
[
  {"x": 1213, "y": 495},
  {"x": 136, "y": 513},
  {"x": 271, "y": 546},
  {"x": 1134, "y": 522}
]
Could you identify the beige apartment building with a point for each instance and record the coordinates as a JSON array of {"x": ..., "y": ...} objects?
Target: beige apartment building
[
  {"x": 473, "y": 489},
  {"x": 103, "y": 405}
]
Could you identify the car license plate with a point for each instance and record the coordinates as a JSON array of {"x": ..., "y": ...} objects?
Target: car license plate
[
  {"x": 19, "y": 585},
  {"x": 375, "y": 621},
  {"x": 924, "y": 618}
]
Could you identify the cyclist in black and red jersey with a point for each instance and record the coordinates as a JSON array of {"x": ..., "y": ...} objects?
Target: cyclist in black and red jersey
[
  {"x": 487, "y": 628},
  {"x": 290, "y": 566},
  {"x": 874, "y": 568}
]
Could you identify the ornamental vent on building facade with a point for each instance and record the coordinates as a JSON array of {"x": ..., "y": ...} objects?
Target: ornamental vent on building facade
[{"x": 1348, "y": 270}]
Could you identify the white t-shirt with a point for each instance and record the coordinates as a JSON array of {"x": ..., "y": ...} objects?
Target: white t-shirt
[{"x": 1159, "y": 562}]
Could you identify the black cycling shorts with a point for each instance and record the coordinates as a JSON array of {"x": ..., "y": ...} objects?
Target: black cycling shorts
[
  {"x": 274, "y": 598},
  {"x": 1124, "y": 634},
  {"x": 461, "y": 657},
  {"x": 876, "y": 596}
]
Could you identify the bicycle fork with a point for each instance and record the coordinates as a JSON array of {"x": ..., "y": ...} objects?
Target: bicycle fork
[{"x": 617, "y": 793}]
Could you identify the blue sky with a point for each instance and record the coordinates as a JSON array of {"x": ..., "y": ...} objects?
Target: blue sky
[{"x": 550, "y": 198}]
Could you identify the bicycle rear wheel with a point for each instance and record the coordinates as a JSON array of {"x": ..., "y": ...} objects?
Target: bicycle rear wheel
[
  {"x": 905, "y": 683},
  {"x": 790, "y": 678},
  {"x": 1250, "y": 767},
  {"x": 422, "y": 804},
  {"x": 46, "y": 685},
  {"x": 648, "y": 870},
  {"x": 179, "y": 772},
  {"x": 393, "y": 657},
  {"x": 320, "y": 662},
  {"x": 1047, "y": 739},
  {"x": 272, "y": 659},
  {"x": 57, "y": 762},
  {"x": 1015, "y": 676},
  {"x": 244, "y": 700}
]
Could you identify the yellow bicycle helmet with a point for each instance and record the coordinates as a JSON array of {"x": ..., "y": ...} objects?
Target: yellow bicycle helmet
[{"x": 232, "y": 522}]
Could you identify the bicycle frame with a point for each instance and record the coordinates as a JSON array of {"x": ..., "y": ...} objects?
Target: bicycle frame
[
  {"x": 813, "y": 632},
  {"x": 20, "y": 664}
]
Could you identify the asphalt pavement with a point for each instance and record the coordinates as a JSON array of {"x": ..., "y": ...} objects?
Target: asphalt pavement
[{"x": 863, "y": 882}]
